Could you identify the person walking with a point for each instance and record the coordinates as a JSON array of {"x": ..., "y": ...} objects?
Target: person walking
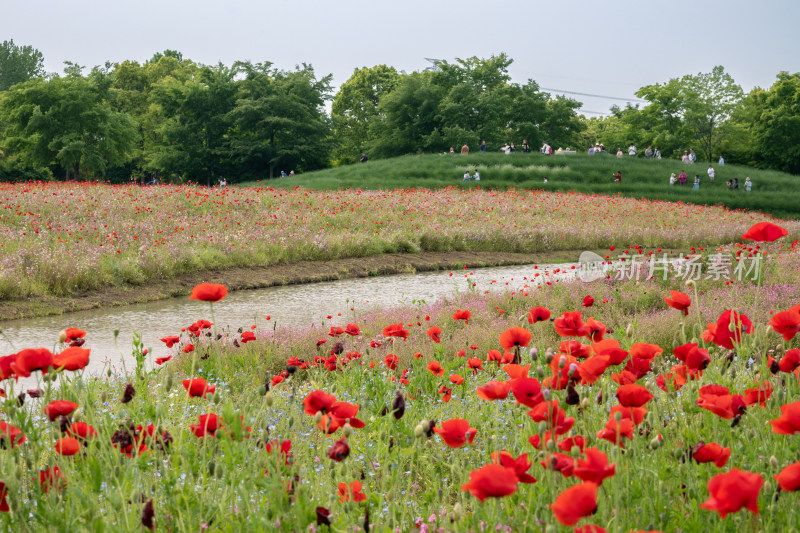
[
  {"x": 682, "y": 177},
  {"x": 656, "y": 154},
  {"x": 465, "y": 149},
  {"x": 526, "y": 148},
  {"x": 711, "y": 174},
  {"x": 692, "y": 156},
  {"x": 696, "y": 185},
  {"x": 748, "y": 185}
]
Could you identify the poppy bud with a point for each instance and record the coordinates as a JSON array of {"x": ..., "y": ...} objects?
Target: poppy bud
[
  {"x": 572, "y": 369},
  {"x": 694, "y": 340},
  {"x": 317, "y": 417},
  {"x": 103, "y": 397},
  {"x": 347, "y": 429},
  {"x": 323, "y": 517},
  {"x": 268, "y": 398},
  {"x": 534, "y": 353},
  {"x": 768, "y": 487},
  {"x": 575, "y": 450},
  {"x": 148, "y": 514},
  {"x": 216, "y": 399},
  {"x": 585, "y": 403},
  {"x": 426, "y": 426},
  {"x": 551, "y": 446},
  {"x": 599, "y": 398},
  {"x": 211, "y": 467},
  {"x": 542, "y": 427},
  {"x": 656, "y": 442},
  {"x": 690, "y": 283},
  {"x": 419, "y": 432},
  {"x": 168, "y": 384},
  {"x": 562, "y": 361},
  {"x": 546, "y": 394},
  {"x": 629, "y": 330},
  {"x": 108, "y": 372},
  {"x": 262, "y": 390},
  {"x": 573, "y": 398},
  {"x": 618, "y": 416},
  {"x": 62, "y": 336},
  {"x": 548, "y": 356},
  {"x": 128, "y": 393},
  {"x": 398, "y": 406},
  {"x": 773, "y": 462},
  {"x": 540, "y": 371}
]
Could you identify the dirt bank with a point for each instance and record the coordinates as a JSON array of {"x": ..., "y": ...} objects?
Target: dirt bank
[{"x": 257, "y": 278}]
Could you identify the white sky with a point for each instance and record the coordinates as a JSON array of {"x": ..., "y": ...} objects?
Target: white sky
[{"x": 606, "y": 47}]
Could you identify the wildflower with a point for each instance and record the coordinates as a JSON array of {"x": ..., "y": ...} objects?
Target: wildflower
[
  {"x": 595, "y": 467},
  {"x": 733, "y": 490},
  {"x": 58, "y": 408},
  {"x": 434, "y": 332},
  {"x": 209, "y": 292},
  {"x": 67, "y": 446},
  {"x": 786, "y": 323},
  {"x": 318, "y": 401},
  {"x": 395, "y": 330},
  {"x": 198, "y": 387},
  {"x": 209, "y": 425},
  {"x": 520, "y": 465},
  {"x": 575, "y": 503},
  {"x": 464, "y": 315},
  {"x": 474, "y": 364},
  {"x": 711, "y": 452},
  {"x": 515, "y": 338},
  {"x": 128, "y": 393},
  {"x": 679, "y": 300},
  {"x": 148, "y": 514},
  {"x": 527, "y": 391},
  {"x": 352, "y": 330},
  {"x": 170, "y": 340},
  {"x": 51, "y": 477},
  {"x": 4, "y": 508},
  {"x": 588, "y": 301},
  {"x": 81, "y": 431},
  {"x": 788, "y": 478},
  {"x": 538, "y": 314},
  {"x": 456, "y": 379},
  {"x": 335, "y": 331},
  {"x": 633, "y": 395},
  {"x": 694, "y": 357},
  {"x": 340, "y": 450},
  {"x": 456, "y": 432},
  {"x": 436, "y": 368},
  {"x": 787, "y": 424},
  {"x": 570, "y": 324},
  {"x": 446, "y": 393},
  {"x": 494, "y": 390},
  {"x": 790, "y": 360},
  {"x": 10, "y": 436},
  {"x": 248, "y": 336},
  {"x": 352, "y": 491},
  {"x": 162, "y": 360},
  {"x": 73, "y": 358},
  {"x": 323, "y": 517},
  {"x": 491, "y": 481},
  {"x": 765, "y": 232},
  {"x": 730, "y": 327},
  {"x": 30, "y": 360}
]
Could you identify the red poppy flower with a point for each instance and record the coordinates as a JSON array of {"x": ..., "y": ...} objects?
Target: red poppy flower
[
  {"x": 395, "y": 330},
  {"x": 520, "y": 465},
  {"x": 81, "y": 431},
  {"x": 209, "y": 292},
  {"x": 789, "y": 478},
  {"x": 456, "y": 379},
  {"x": 10, "y": 436},
  {"x": 318, "y": 401},
  {"x": 538, "y": 314},
  {"x": 719, "y": 401},
  {"x": 434, "y": 332},
  {"x": 758, "y": 395},
  {"x": 30, "y": 360},
  {"x": 643, "y": 350},
  {"x": 559, "y": 462},
  {"x": 588, "y": 301},
  {"x": 436, "y": 369},
  {"x": 679, "y": 301},
  {"x": 596, "y": 330},
  {"x": 570, "y": 324},
  {"x": 74, "y": 334},
  {"x": 634, "y": 414},
  {"x": 170, "y": 340},
  {"x": 553, "y": 415},
  {"x": 765, "y": 232},
  {"x": 335, "y": 331},
  {"x": 575, "y": 348},
  {"x": 711, "y": 452},
  {"x": 352, "y": 330},
  {"x": 723, "y": 335},
  {"x": 527, "y": 391},
  {"x": 474, "y": 364},
  {"x": 633, "y": 395},
  {"x": 352, "y": 491},
  {"x": 566, "y": 444},
  {"x": 590, "y": 528},
  {"x": 491, "y": 481},
  {"x": 675, "y": 378},
  {"x": 790, "y": 360},
  {"x": 638, "y": 367},
  {"x": 198, "y": 387},
  {"x": 787, "y": 424},
  {"x": 339, "y": 451},
  {"x": 57, "y": 408},
  {"x": 73, "y": 358},
  {"x": 248, "y": 336},
  {"x": 591, "y": 369},
  {"x": 595, "y": 467},
  {"x": 575, "y": 503},
  {"x": 188, "y": 348},
  {"x": 51, "y": 477},
  {"x": 67, "y": 446},
  {"x": 494, "y": 390},
  {"x": 615, "y": 431},
  {"x": 515, "y": 338},
  {"x": 162, "y": 360},
  {"x": 5, "y": 366},
  {"x": 695, "y": 358},
  {"x": 733, "y": 490},
  {"x": 456, "y": 432},
  {"x": 347, "y": 412},
  {"x": 446, "y": 393},
  {"x": 464, "y": 315},
  {"x": 209, "y": 425},
  {"x": 786, "y": 323}
]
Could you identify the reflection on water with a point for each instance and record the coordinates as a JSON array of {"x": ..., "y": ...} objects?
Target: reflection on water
[{"x": 296, "y": 305}]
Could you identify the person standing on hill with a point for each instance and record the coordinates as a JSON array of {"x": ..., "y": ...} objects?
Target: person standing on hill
[
  {"x": 682, "y": 177},
  {"x": 506, "y": 149},
  {"x": 747, "y": 184},
  {"x": 632, "y": 150},
  {"x": 526, "y": 148},
  {"x": 363, "y": 158},
  {"x": 465, "y": 149},
  {"x": 711, "y": 174},
  {"x": 483, "y": 147},
  {"x": 619, "y": 152},
  {"x": 513, "y": 148},
  {"x": 685, "y": 159},
  {"x": 648, "y": 153},
  {"x": 618, "y": 177},
  {"x": 657, "y": 154},
  {"x": 736, "y": 183},
  {"x": 721, "y": 161},
  {"x": 672, "y": 179},
  {"x": 696, "y": 185},
  {"x": 692, "y": 156}
]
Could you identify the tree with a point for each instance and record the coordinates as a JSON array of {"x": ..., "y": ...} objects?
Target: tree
[
  {"x": 19, "y": 64},
  {"x": 777, "y": 124},
  {"x": 279, "y": 119},
  {"x": 67, "y": 122},
  {"x": 356, "y": 105}
]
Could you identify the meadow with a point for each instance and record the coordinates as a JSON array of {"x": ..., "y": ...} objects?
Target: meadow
[
  {"x": 65, "y": 239},
  {"x": 773, "y": 192},
  {"x": 624, "y": 404}
]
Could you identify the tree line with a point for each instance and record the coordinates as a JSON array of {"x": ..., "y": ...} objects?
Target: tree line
[{"x": 176, "y": 120}]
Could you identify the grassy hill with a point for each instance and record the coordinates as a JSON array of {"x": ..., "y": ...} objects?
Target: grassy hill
[{"x": 776, "y": 193}]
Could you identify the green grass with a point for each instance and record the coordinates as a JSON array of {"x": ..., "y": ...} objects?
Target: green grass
[{"x": 773, "y": 192}]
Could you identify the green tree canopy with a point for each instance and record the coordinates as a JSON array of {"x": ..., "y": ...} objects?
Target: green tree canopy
[{"x": 19, "y": 64}]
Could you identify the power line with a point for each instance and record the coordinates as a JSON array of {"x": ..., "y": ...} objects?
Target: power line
[
  {"x": 594, "y": 95},
  {"x": 594, "y": 112}
]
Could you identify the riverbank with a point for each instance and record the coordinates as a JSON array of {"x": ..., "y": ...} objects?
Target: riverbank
[{"x": 237, "y": 279}]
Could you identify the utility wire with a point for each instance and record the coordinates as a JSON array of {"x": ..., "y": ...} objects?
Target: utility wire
[{"x": 594, "y": 95}]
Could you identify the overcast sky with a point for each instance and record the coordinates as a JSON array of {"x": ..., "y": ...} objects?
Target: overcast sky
[{"x": 604, "y": 47}]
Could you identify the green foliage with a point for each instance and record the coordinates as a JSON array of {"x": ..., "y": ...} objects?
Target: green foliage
[
  {"x": 777, "y": 124},
  {"x": 19, "y": 64}
]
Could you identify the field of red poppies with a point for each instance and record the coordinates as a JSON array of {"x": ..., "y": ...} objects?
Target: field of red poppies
[
  {"x": 616, "y": 405},
  {"x": 65, "y": 238}
]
